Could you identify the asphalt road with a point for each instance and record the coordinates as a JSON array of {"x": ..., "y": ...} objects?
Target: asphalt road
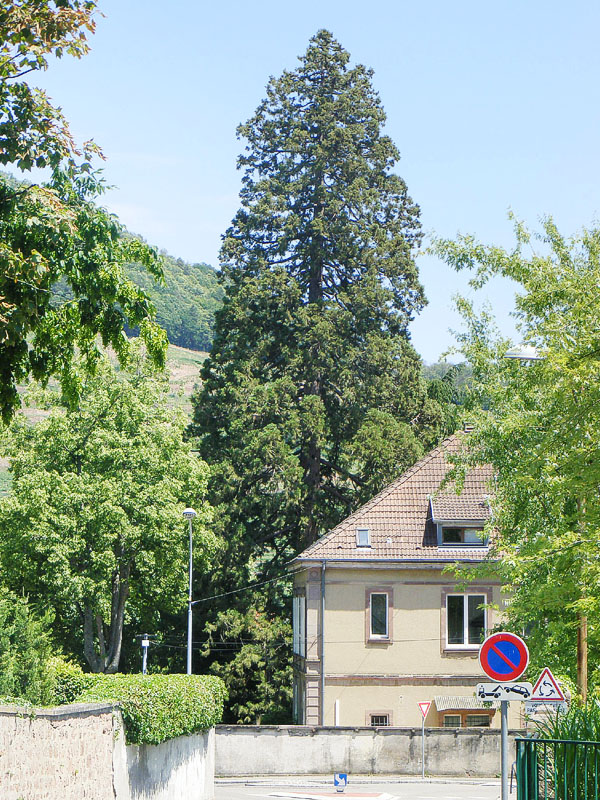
[{"x": 293, "y": 789}]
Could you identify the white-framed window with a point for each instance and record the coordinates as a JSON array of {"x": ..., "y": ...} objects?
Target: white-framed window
[
  {"x": 299, "y": 624},
  {"x": 465, "y": 620},
  {"x": 379, "y": 615},
  {"x": 461, "y": 536},
  {"x": 363, "y": 537},
  {"x": 452, "y": 720},
  {"x": 379, "y": 720}
]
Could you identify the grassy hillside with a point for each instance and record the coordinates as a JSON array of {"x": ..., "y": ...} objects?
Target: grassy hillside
[{"x": 183, "y": 366}]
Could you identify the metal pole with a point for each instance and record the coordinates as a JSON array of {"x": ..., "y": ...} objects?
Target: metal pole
[
  {"x": 322, "y": 688},
  {"x": 145, "y": 644},
  {"x": 504, "y": 748},
  {"x": 189, "y": 630},
  {"x": 423, "y": 748}
]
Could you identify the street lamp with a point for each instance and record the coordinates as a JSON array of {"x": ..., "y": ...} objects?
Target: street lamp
[
  {"x": 189, "y": 514},
  {"x": 525, "y": 352}
]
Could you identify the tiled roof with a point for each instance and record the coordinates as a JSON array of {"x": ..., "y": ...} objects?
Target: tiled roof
[
  {"x": 468, "y": 506},
  {"x": 399, "y": 517}
]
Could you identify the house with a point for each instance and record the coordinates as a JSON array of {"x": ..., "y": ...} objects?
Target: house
[{"x": 379, "y": 625}]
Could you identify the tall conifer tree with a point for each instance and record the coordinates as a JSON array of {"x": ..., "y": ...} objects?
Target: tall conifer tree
[{"x": 312, "y": 395}]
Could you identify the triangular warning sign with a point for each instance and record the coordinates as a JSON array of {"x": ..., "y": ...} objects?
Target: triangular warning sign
[
  {"x": 547, "y": 689},
  {"x": 425, "y": 708}
]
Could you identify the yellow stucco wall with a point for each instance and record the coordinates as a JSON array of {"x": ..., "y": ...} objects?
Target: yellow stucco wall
[
  {"x": 416, "y": 619},
  {"x": 356, "y": 703},
  {"x": 358, "y": 673}
]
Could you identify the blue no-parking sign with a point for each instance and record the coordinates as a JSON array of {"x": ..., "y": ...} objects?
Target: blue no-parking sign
[{"x": 504, "y": 656}]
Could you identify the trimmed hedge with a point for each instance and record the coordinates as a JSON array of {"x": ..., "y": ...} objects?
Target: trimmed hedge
[
  {"x": 69, "y": 681},
  {"x": 160, "y": 707}
]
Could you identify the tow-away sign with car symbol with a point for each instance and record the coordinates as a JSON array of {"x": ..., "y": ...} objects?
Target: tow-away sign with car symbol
[{"x": 504, "y": 691}]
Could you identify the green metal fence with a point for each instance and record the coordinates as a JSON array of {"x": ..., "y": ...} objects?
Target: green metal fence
[{"x": 558, "y": 769}]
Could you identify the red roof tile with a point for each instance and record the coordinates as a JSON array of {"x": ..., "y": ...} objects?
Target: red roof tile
[{"x": 399, "y": 518}]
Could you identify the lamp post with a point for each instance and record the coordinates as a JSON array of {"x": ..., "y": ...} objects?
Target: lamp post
[{"x": 189, "y": 514}]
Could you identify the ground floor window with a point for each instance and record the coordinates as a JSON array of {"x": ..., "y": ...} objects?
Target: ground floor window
[
  {"x": 298, "y": 700},
  {"x": 477, "y": 721},
  {"x": 462, "y": 719},
  {"x": 379, "y": 720},
  {"x": 452, "y": 720}
]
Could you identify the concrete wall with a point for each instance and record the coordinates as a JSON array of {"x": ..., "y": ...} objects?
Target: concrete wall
[
  {"x": 178, "y": 768},
  {"x": 300, "y": 750},
  {"x": 79, "y": 751}
]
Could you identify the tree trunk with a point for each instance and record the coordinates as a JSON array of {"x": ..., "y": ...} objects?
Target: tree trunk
[
  {"x": 100, "y": 655},
  {"x": 582, "y": 657},
  {"x": 89, "y": 649},
  {"x": 312, "y": 472},
  {"x": 120, "y": 593},
  {"x": 311, "y": 457},
  {"x": 582, "y": 628}
]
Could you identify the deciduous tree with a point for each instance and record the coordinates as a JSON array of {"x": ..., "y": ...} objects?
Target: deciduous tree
[
  {"x": 54, "y": 231},
  {"x": 93, "y": 522},
  {"x": 541, "y": 431}
]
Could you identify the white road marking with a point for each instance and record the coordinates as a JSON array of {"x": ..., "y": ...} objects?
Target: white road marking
[{"x": 341, "y": 795}]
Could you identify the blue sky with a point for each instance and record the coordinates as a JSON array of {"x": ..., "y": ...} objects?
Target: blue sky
[{"x": 492, "y": 105}]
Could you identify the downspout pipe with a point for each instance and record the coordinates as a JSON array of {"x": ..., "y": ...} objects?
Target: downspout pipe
[{"x": 322, "y": 692}]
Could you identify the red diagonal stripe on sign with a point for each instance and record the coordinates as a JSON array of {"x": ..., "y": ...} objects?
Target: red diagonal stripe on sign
[{"x": 503, "y": 657}]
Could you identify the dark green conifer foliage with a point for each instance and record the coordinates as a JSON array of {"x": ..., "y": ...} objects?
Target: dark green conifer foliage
[
  {"x": 311, "y": 347},
  {"x": 312, "y": 397}
]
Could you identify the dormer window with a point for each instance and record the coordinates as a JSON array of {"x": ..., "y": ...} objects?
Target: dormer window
[
  {"x": 363, "y": 537},
  {"x": 461, "y": 536}
]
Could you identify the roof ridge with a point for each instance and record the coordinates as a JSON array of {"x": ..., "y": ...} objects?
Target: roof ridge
[{"x": 374, "y": 501}]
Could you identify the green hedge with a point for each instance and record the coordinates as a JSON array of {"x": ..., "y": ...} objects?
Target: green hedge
[
  {"x": 69, "y": 681},
  {"x": 160, "y": 707}
]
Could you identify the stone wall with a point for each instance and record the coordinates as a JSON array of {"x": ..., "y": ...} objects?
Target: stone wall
[
  {"x": 79, "y": 751},
  {"x": 302, "y": 750},
  {"x": 61, "y": 753}
]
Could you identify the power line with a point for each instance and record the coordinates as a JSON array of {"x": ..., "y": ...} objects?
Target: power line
[
  {"x": 276, "y": 643},
  {"x": 242, "y": 589}
]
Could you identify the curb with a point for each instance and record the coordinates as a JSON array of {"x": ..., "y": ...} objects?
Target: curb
[{"x": 356, "y": 780}]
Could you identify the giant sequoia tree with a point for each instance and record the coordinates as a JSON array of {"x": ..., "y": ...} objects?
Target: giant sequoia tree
[{"x": 312, "y": 396}]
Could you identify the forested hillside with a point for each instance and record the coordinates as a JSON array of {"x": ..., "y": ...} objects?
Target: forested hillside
[{"x": 185, "y": 303}]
